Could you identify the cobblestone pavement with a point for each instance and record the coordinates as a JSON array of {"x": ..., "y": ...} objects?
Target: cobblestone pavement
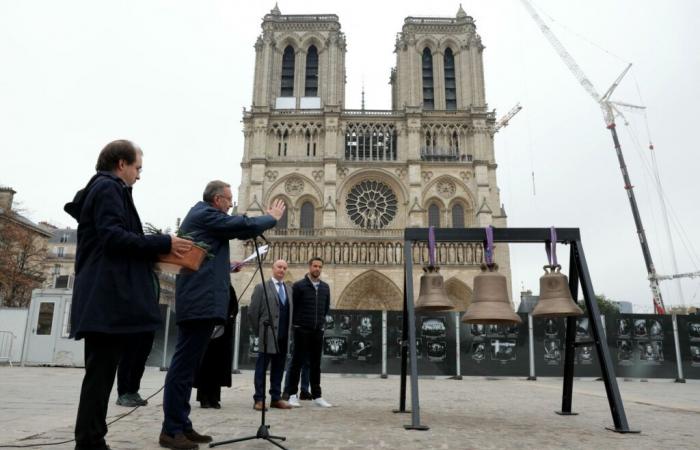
[{"x": 39, "y": 406}]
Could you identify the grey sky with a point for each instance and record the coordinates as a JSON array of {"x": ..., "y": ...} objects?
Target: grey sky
[{"x": 174, "y": 76}]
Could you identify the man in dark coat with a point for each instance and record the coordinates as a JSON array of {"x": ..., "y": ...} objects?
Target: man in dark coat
[
  {"x": 202, "y": 300},
  {"x": 115, "y": 291},
  {"x": 311, "y": 298}
]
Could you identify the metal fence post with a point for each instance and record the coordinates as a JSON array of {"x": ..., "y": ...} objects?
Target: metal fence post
[
  {"x": 384, "y": 343},
  {"x": 531, "y": 347},
  {"x": 458, "y": 344},
  {"x": 679, "y": 361}
]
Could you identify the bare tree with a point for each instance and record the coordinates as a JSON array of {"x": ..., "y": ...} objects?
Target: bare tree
[{"x": 22, "y": 256}]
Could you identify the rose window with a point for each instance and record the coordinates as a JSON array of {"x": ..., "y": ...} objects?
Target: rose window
[{"x": 371, "y": 204}]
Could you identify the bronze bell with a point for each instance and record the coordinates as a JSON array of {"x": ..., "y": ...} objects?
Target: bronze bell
[
  {"x": 432, "y": 296},
  {"x": 490, "y": 303},
  {"x": 555, "y": 295}
]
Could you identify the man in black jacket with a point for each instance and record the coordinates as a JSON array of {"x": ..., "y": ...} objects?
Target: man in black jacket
[
  {"x": 115, "y": 290},
  {"x": 311, "y": 298}
]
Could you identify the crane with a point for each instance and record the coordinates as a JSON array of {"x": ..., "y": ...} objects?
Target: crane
[
  {"x": 503, "y": 121},
  {"x": 610, "y": 110}
]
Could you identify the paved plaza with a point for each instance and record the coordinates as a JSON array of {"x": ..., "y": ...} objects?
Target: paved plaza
[{"x": 39, "y": 406}]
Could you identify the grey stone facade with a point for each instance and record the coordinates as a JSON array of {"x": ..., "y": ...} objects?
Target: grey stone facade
[{"x": 353, "y": 180}]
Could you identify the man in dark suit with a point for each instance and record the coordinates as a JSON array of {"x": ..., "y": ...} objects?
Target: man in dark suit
[
  {"x": 115, "y": 291},
  {"x": 202, "y": 301},
  {"x": 280, "y": 321},
  {"x": 312, "y": 300}
]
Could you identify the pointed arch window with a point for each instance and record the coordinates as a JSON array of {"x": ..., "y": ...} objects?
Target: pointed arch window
[
  {"x": 311, "y": 85},
  {"x": 434, "y": 215},
  {"x": 450, "y": 81},
  {"x": 428, "y": 94},
  {"x": 457, "y": 216},
  {"x": 287, "y": 88},
  {"x": 307, "y": 216}
]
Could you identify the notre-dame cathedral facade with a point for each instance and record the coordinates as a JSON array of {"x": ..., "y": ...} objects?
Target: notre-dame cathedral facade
[{"x": 353, "y": 180}]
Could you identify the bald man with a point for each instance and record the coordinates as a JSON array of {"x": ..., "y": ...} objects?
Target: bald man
[{"x": 280, "y": 319}]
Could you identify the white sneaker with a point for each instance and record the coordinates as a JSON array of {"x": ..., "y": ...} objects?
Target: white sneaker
[
  {"x": 322, "y": 403},
  {"x": 294, "y": 401}
]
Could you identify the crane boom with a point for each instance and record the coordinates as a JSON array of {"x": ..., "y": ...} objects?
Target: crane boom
[
  {"x": 609, "y": 110},
  {"x": 503, "y": 121}
]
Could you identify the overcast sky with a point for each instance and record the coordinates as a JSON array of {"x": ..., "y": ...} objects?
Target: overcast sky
[{"x": 173, "y": 76}]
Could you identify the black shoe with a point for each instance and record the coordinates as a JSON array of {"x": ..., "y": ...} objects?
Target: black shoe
[
  {"x": 205, "y": 404},
  {"x": 216, "y": 405},
  {"x": 127, "y": 400},
  {"x": 303, "y": 395},
  {"x": 137, "y": 398},
  {"x": 198, "y": 438},
  {"x": 177, "y": 442},
  {"x": 285, "y": 396}
]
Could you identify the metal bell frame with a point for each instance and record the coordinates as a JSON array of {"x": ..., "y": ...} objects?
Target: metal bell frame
[{"x": 578, "y": 270}]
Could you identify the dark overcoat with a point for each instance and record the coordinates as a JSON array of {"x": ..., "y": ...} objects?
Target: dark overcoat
[
  {"x": 204, "y": 294},
  {"x": 215, "y": 369},
  {"x": 115, "y": 289}
]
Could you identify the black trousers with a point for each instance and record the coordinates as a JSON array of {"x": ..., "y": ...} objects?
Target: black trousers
[
  {"x": 133, "y": 363},
  {"x": 308, "y": 343},
  {"x": 102, "y": 355},
  {"x": 192, "y": 339}
]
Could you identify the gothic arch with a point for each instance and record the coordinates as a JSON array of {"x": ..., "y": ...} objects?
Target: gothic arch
[
  {"x": 371, "y": 290},
  {"x": 459, "y": 293},
  {"x": 433, "y": 199},
  {"x": 312, "y": 38},
  {"x": 469, "y": 200},
  {"x": 427, "y": 41},
  {"x": 284, "y": 41},
  {"x": 450, "y": 43}
]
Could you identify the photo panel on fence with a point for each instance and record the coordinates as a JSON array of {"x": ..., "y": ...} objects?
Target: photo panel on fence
[
  {"x": 641, "y": 345},
  {"x": 689, "y": 341},
  {"x": 352, "y": 342},
  {"x": 494, "y": 350},
  {"x": 549, "y": 335},
  {"x": 435, "y": 343}
]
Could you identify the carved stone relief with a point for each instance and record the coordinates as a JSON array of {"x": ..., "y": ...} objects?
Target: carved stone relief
[
  {"x": 294, "y": 186},
  {"x": 446, "y": 188}
]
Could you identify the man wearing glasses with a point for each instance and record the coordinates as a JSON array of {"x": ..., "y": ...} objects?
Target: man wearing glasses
[{"x": 201, "y": 300}]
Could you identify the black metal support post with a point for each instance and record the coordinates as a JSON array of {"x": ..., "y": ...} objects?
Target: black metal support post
[
  {"x": 404, "y": 351},
  {"x": 570, "y": 343},
  {"x": 612, "y": 390},
  {"x": 410, "y": 312}
]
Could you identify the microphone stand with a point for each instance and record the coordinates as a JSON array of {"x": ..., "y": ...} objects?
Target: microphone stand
[{"x": 263, "y": 430}]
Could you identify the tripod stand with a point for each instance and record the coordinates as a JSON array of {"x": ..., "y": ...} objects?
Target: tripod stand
[{"x": 264, "y": 430}]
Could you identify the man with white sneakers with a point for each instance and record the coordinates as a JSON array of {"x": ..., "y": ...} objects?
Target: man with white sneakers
[{"x": 312, "y": 300}]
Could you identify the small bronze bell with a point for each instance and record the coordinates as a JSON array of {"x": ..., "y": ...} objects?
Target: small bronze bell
[
  {"x": 555, "y": 296},
  {"x": 433, "y": 296},
  {"x": 490, "y": 303}
]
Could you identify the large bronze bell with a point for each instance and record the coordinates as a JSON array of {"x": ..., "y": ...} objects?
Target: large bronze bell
[
  {"x": 490, "y": 303},
  {"x": 555, "y": 296},
  {"x": 432, "y": 296}
]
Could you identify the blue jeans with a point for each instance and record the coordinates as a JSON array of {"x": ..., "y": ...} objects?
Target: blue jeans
[{"x": 192, "y": 340}]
